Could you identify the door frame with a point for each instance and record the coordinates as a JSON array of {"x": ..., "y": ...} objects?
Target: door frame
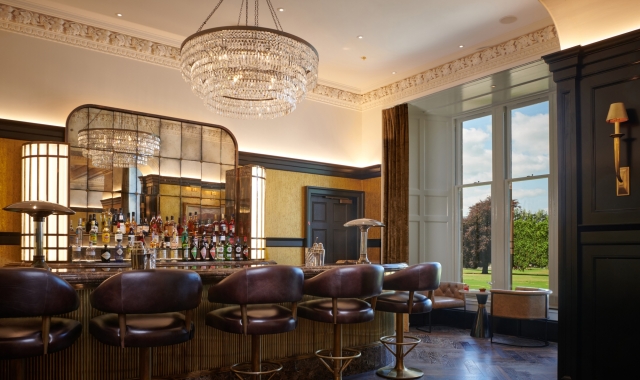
[{"x": 325, "y": 191}]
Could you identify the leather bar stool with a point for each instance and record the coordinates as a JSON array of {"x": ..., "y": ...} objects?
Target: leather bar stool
[
  {"x": 404, "y": 300},
  {"x": 144, "y": 308},
  {"x": 344, "y": 286},
  {"x": 255, "y": 291},
  {"x": 31, "y": 292}
]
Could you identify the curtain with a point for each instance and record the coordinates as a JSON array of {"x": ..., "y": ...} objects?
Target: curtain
[{"x": 395, "y": 188}]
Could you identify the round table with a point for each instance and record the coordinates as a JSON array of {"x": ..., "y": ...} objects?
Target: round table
[{"x": 480, "y": 328}]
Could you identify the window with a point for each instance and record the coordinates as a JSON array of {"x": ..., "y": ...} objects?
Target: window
[{"x": 502, "y": 190}]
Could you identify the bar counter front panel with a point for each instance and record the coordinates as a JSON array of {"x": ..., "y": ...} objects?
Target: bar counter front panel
[{"x": 210, "y": 350}]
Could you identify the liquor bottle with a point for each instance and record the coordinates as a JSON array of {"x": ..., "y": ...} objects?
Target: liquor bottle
[
  {"x": 180, "y": 226},
  {"x": 212, "y": 249},
  {"x": 127, "y": 224},
  {"x": 172, "y": 225},
  {"x": 119, "y": 255},
  {"x": 193, "y": 250},
  {"x": 159, "y": 224},
  {"x": 105, "y": 255},
  {"x": 228, "y": 249},
  {"x": 196, "y": 223},
  {"x": 245, "y": 249},
  {"x": 185, "y": 246},
  {"x": 167, "y": 226},
  {"x": 121, "y": 222},
  {"x": 90, "y": 253},
  {"x": 145, "y": 228},
  {"x": 201, "y": 227},
  {"x": 232, "y": 225},
  {"x": 220, "y": 248},
  {"x": 93, "y": 233},
  {"x": 87, "y": 225},
  {"x": 133, "y": 226},
  {"x": 190, "y": 224},
  {"x": 204, "y": 247},
  {"x": 237, "y": 247},
  {"x": 223, "y": 225},
  {"x": 77, "y": 248},
  {"x": 114, "y": 220},
  {"x": 106, "y": 235},
  {"x": 216, "y": 225}
]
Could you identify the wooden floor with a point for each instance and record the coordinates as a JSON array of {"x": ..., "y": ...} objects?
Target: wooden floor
[{"x": 450, "y": 353}]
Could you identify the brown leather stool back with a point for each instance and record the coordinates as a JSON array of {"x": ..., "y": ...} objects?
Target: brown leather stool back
[
  {"x": 420, "y": 277},
  {"x": 270, "y": 284},
  {"x": 353, "y": 281},
  {"x": 148, "y": 292},
  {"x": 31, "y": 292}
]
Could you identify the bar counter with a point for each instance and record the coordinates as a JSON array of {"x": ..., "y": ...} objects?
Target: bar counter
[{"x": 211, "y": 352}]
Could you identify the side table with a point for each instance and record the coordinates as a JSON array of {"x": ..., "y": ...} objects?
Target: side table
[{"x": 480, "y": 328}]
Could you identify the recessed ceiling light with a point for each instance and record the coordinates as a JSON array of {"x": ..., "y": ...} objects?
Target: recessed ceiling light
[
  {"x": 360, "y": 37},
  {"x": 508, "y": 20},
  {"x": 493, "y": 86},
  {"x": 393, "y": 72},
  {"x": 281, "y": 9},
  {"x": 119, "y": 14},
  {"x": 461, "y": 46}
]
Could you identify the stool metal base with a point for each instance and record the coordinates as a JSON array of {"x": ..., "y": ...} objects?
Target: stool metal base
[
  {"x": 325, "y": 355},
  {"x": 399, "y": 371},
  {"x": 241, "y": 369},
  {"x": 394, "y": 373}
]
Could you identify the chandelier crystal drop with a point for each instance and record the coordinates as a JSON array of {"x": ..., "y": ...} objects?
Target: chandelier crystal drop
[
  {"x": 249, "y": 72},
  {"x": 118, "y": 148}
]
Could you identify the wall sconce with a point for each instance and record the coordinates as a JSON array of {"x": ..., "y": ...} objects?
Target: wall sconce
[
  {"x": 618, "y": 114},
  {"x": 250, "y": 206}
]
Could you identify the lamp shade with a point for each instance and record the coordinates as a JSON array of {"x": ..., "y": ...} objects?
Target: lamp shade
[
  {"x": 617, "y": 113},
  {"x": 45, "y": 177}
]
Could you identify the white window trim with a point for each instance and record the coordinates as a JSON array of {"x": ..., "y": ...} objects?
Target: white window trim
[{"x": 500, "y": 265}]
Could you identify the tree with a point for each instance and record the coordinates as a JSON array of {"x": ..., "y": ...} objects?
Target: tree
[
  {"x": 530, "y": 237},
  {"x": 476, "y": 236}
]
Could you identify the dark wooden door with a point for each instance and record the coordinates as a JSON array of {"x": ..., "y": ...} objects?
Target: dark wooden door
[{"x": 327, "y": 212}]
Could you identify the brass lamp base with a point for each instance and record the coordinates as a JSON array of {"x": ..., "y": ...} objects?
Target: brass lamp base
[{"x": 622, "y": 188}]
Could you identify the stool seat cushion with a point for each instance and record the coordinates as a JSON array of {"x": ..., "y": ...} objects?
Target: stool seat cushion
[
  {"x": 143, "y": 330},
  {"x": 22, "y": 337},
  {"x": 440, "y": 302},
  {"x": 350, "y": 310},
  {"x": 398, "y": 302},
  {"x": 261, "y": 319}
]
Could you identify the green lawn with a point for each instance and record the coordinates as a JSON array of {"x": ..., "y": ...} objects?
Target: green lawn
[{"x": 536, "y": 278}]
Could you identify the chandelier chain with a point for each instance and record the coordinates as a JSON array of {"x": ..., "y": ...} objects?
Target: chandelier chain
[
  {"x": 240, "y": 14},
  {"x": 274, "y": 15},
  {"x": 211, "y": 14},
  {"x": 256, "y": 13}
]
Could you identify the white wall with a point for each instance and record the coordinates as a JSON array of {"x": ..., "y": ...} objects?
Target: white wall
[
  {"x": 43, "y": 81},
  {"x": 431, "y": 168}
]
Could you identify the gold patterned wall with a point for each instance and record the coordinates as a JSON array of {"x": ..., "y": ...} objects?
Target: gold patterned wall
[
  {"x": 10, "y": 192},
  {"x": 285, "y": 208}
]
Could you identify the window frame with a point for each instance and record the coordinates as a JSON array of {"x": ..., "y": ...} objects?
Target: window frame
[{"x": 501, "y": 180}]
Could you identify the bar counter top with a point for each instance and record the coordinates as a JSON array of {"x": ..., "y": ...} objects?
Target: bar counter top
[{"x": 91, "y": 274}]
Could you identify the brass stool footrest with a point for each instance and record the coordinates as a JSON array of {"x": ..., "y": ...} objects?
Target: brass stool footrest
[
  {"x": 390, "y": 340},
  {"x": 326, "y": 354},
  {"x": 245, "y": 369}
]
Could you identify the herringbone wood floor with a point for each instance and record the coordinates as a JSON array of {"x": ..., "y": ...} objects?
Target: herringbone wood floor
[{"x": 450, "y": 353}]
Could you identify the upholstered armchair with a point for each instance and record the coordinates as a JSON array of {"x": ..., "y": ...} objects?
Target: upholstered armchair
[
  {"x": 522, "y": 303},
  {"x": 447, "y": 296}
]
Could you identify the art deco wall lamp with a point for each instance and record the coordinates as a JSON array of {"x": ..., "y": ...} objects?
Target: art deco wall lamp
[{"x": 618, "y": 114}]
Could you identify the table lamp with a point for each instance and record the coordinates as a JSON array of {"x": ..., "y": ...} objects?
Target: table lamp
[
  {"x": 618, "y": 114},
  {"x": 364, "y": 224},
  {"x": 39, "y": 210}
]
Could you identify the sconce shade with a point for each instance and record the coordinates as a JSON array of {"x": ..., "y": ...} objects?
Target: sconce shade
[{"x": 617, "y": 113}]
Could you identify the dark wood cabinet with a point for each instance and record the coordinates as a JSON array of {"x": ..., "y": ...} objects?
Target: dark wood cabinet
[{"x": 599, "y": 244}]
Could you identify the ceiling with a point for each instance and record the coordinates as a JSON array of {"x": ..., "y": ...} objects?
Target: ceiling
[{"x": 402, "y": 36}]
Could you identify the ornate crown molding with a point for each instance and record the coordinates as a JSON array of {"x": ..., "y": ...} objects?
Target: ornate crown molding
[{"x": 531, "y": 45}]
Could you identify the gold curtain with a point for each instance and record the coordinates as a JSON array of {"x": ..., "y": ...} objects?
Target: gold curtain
[{"x": 395, "y": 173}]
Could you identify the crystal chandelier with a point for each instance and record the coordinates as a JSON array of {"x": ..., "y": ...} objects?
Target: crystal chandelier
[
  {"x": 117, "y": 147},
  {"x": 249, "y": 72}
]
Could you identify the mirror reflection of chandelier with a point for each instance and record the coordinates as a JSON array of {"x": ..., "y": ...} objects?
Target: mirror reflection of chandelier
[
  {"x": 117, "y": 147},
  {"x": 249, "y": 72}
]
